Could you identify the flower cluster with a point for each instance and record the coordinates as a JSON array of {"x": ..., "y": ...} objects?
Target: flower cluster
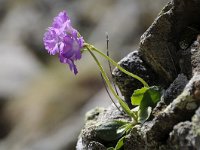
[{"x": 62, "y": 39}]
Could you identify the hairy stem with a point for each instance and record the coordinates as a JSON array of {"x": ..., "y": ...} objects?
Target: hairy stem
[{"x": 117, "y": 65}]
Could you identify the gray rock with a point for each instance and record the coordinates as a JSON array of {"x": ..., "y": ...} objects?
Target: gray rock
[
  {"x": 171, "y": 93},
  {"x": 196, "y": 128},
  {"x": 175, "y": 88},
  {"x": 196, "y": 122},
  {"x": 182, "y": 137},
  {"x": 133, "y": 63},
  {"x": 186, "y": 135},
  {"x": 135, "y": 140},
  {"x": 159, "y": 44},
  {"x": 160, "y": 48},
  {"x": 158, "y": 129},
  {"x": 195, "y": 55},
  {"x": 154, "y": 133},
  {"x": 96, "y": 146},
  {"x": 90, "y": 137}
]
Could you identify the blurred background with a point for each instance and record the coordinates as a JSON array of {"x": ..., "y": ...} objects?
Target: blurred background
[{"x": 42, "y": 104}]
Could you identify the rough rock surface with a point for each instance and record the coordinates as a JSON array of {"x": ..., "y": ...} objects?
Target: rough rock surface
[
  {"x": 133, "y": 63},
  {"x": 162, "y": 43},
  {"x": 171, "y": 47},
  {"x": 171, "y": 93},
  {"x": 89, "y": 138},
  {"x": 182, "y": 136}
]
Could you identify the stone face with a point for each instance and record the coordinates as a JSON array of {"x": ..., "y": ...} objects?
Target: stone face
[
  {"x": 160, "y": 43},
  {"x": 181, "y": 137},
  {"x": 156, "y": 46}
]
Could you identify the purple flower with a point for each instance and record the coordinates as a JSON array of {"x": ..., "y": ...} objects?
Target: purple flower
[{"x": 62, "y": 39}]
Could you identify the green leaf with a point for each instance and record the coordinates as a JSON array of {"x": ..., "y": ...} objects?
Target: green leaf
[
  {"x": 137, "y": 96},
  {"x": 120, "y": 143},
  {"x": 124, "y": 128},
  {"x": 111, "y": 148},
  {"x": 149, "y": 100},
  {"x": 108, "y": 131},
  {"x": 155, "y": 94},
  {"x": 129, "y": 127},
  {"x": 144, "y": 114}
]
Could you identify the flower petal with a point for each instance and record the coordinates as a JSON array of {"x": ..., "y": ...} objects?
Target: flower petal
[{"x": 63, "y": 39}]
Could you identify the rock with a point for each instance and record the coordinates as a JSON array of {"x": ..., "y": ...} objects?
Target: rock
[
  {"x": 158, "y": 129},
  {"x": 160, "y": 48},
  {"x": 96, "y": 146},
  {"x": 135, "y": 64},
  {"x": 182, "y": 137},
  {"x": 135, "y": 139},
  {"x": 175, "y": 89},
  {"x": 196, "y": 122},
  {"x": 196, "y": 129},
  {"x": 171, "y": 93},
  {"x": 90, "y": 137},
  {"x": 186, "y": 135},
  {"x": 195, "y": 55},
  {"x": 159, "y": 44},
  {"x": 152, "y": 134}
]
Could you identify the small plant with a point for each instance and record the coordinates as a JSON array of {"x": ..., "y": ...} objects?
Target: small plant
[{"x": 63, "y": 40}]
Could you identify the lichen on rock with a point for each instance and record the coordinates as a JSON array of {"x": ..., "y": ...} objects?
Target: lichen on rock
[{"x": 90, "y": 136}]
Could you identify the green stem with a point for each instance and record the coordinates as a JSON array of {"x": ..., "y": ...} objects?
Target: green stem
[
  {"x": 122, "y": 103},
  {"x": 117, "y": 65}
]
